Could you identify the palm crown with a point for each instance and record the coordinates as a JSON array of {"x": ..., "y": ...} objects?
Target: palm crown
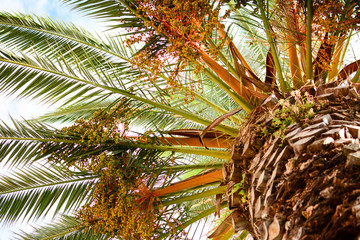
[{"x": 182, "y": 74}]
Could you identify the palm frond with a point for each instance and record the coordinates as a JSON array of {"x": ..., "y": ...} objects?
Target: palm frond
[
  {"x": 252, "y": 34},
  {"x": 52, "y": 40},
  {"x": 108, "y": 10},
  {"x": 35, "y": 190},
  {"x": 76, "y": 48},
  {"x": 20, "y": 144},
  {"x": 189, "y": 220},
  {"x": 50, "y": 37},
  {"x": 64, "y": 227},
  {"x": 42, "y": 79},
  {"x": 76, "y": 111}
]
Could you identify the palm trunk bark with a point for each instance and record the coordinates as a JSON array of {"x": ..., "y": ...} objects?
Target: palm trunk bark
[{"x": 305, "y": 182}]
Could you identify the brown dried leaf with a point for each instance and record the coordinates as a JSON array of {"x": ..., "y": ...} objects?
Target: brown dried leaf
[
  {"x": 348, "y": 70},
  {"x": 270, "y": 69},
  {"x": 197, "y": 132},
  {"x": 216, "y": 122}
]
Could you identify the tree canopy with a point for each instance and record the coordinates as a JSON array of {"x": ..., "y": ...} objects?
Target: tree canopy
[{"x": 152, "y": 108}]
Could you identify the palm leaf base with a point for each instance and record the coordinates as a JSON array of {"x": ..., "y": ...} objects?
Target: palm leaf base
[{"x": 304, "y": 181}]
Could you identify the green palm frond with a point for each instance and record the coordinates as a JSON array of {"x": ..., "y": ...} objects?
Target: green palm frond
[
  {"x": 42, "y": 79},
  {"x": 76, "y": 48},
  {"x": 148, "y": 118},
  {"x": 248, "y": 25},
  {"x": 76, "y": 111},
  {"x": 187, "y": 220},
  {"x": 52, "y": 38},
  {"x": 24, "y": 143},
  {"x": 151, "y": 118},
  {"x": 63, "y": 228},
  {"x": 33, "y": 191},
  {"x": 20, "y": 143},
  {"x": 108, "y": 10}
]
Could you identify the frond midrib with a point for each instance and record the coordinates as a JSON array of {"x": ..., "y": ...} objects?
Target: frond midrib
[{"x": 48, "y": 185}]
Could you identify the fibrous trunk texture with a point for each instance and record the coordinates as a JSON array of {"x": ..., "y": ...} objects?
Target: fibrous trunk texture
[{"x": 303, "y": 183}]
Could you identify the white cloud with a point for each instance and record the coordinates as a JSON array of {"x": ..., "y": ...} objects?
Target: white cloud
[
  {"x": 37, "y": 6},
  {"x": 24, "y": 6},
  {"x": 12, "y": 5}
]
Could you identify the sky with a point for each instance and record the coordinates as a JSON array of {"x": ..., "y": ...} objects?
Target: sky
[{"x": 24, "y": 108}]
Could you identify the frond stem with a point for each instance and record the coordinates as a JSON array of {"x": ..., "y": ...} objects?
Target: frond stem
[
  {"x": 283, "y": 84},
  {"x": 192, "y": 167},
  {"x": 184, "y": 149},
  {"x": 194, "y": 219},
  {"x": 236, "y": 97},
  {"x": 309, "y": 19},
  {"x": 207, "y": 193}
]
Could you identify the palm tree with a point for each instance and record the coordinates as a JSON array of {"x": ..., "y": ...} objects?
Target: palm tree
[{"x": 183, "y": 77}]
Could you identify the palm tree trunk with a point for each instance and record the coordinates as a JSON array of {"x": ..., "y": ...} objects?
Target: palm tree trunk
[{"x": 303, "y": 183}]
